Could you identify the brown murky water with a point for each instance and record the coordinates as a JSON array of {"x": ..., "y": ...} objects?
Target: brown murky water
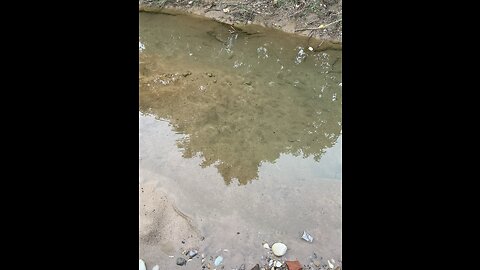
[{"x": 242, "y": 129}]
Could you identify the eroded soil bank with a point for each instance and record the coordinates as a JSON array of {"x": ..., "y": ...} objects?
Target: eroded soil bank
[{"x": 303, "y": 17}]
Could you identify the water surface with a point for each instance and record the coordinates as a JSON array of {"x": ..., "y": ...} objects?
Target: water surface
[{"x": 243, "y": 128}]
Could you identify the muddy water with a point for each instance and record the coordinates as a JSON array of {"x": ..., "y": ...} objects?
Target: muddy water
[{"x": 242, "y": 129}]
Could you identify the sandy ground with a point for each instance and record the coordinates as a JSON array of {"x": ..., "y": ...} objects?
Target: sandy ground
[{"x": 163, "y": 227}]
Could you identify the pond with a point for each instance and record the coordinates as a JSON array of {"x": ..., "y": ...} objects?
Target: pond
[{"x": 241, "y": 128}]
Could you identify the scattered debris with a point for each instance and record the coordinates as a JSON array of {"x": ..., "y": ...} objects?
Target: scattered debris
[
  {"x": 141, "y": 265},
  {"x": 294, "y": 265},
  {"x": 181, "y": 261},
  {"x": 279, "y": 249},
  {"x": 307, "y": 237},
  {"x": 218, "y": 260}
]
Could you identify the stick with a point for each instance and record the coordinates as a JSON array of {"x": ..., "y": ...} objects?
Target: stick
[{"x": 319, "y": 27}]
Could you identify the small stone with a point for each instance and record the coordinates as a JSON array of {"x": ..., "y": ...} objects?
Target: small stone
[
  {"x": 266, "y": 245},
  {"x": 238, "y": 232},
  {"x": 209, "y": 74},
  {"x": 256, "y": 267},
  {"x": 278, "y": 264},
  {"x": 317, "y": 263},
  {"x": 192, "y": 253},
  {"x": 226, "y": 10},
  {"x": 183, "y": 242},
  {"x": 330, "y": 265},
  {"x": 279, "y": 249},
  {"x": 190, "y": 2},
  {"x": 141, "y": 265},
  {"x": 181, "y": 261},
  {"x": 214, "y": 81},
  {"x": 218, "y": 260},
  {"x": 310, "y": 48},
  {"x": 293, "y": 265},
  {"x": 248, "y": 83},
  {"x": 156, "y": 267}
]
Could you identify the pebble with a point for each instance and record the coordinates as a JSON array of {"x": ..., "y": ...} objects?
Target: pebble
[
  {"x": 317, "y": 263},
  {"x": 279, "y": 249},
  {"x": 192, "y": 253},
  {"x": 181, "y": 261},
  {"x": 141, "y": 265},
  {"x": 218, "y": 260},
  {"x": 266, "y": 246},
  {"x": 278, "y": 264},
  {"x": 156, "y": 267}
]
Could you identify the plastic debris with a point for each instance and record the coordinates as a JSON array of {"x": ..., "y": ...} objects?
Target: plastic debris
[
  {"x": 307, "y": 237},
  {"x": 218, "y": 260}
]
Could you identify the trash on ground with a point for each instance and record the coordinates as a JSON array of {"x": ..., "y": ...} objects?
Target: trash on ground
[{"x": 307, "y": 237}]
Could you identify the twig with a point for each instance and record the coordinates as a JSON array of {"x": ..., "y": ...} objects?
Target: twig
[{"x": 321, "y": 26}]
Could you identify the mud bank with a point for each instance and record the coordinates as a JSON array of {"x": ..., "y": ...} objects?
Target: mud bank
[{"x": 321, "y": 19}]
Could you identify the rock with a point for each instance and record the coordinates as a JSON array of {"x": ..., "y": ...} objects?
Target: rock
[
  {"x": 330, "y": 265},
  {"x": 141, "y": 265},
  {"x": 294, "y": 265},
  {"x": 156, "y": 267},
  {"x": 209, "y": 74},
  {"x": 181, "y": 261},
  {"x": 192, "y": 253},
  {"x": 278, "y": 264},
  {"x": 279, "y": 249},
  {"x": 266, "y": 246},
  {"x": 317, "y": 263},
  {"x": 248, "y": 83},
  {"x": 218, "y": 260},
  {"x": 256, "y": 267}
]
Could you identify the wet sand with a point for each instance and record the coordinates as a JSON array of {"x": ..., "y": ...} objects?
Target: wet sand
[{"x": 277, "y": 207}]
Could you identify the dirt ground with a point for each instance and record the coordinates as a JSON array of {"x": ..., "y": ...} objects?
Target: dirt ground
[{"x": 320, "y": 19}]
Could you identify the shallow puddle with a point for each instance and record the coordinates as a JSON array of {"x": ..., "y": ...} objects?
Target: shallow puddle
[{"x": 242, "y": 129}]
